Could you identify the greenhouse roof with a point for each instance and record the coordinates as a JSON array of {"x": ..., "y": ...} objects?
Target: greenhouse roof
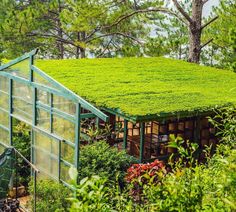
[{"x": 145, "y": 88}]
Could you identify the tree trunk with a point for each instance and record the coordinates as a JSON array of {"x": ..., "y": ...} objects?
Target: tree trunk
[
  {"x": 60, "y": 45},
  {"x": 195, "y": 32},
  {"x": 80, "y": 51}
]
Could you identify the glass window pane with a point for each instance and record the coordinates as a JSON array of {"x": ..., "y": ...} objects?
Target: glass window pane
[
  {"x": 67, "y": 152},
  {"x": 43, "y": 119},
  {"x": 4, "y": 84},
  {"x": 64, "y": 105},
  {"x": 4, "y": 119},
  {"x": 22, "y": 100},
  {"x": 46, "y": 154},
  {"x": 4, "y": 100},
  {"x": 43, "y": 97},
  {"x": 4, "y": 136},
  {"x": 21, "y": 69},
  {"x": 2, "y": 149},
  {"x": 65, "y": 173},
  {"x": 40, "y": 80},
  {"x": 64, "y": 128}
]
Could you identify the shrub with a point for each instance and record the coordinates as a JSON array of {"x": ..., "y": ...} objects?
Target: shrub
[
  {"x": 21, "y": 141},
  {"x": 139, "y": 175},
  {"x": 209, "y": 187},
  {"x": 92, "y": 195},
  {"x": 189, "y": 186},
  {"x": 99, "y": 194},
  {"x": 107, "y": 162},
  {"x": 225, "y": 123},
  {"x": 51, "y": 196}
]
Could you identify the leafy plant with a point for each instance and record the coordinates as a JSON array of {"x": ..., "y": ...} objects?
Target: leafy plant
[
  {"x": 51, "y": 196},
  {"x": 21, "y": 141},
  {"x": 139, "y": 175},
  {"x": 99, "y": 194},
  {"x": 101, "y": 159},
  {"x": 225, "y": 123},
  {"x": 91, "y": 195}
]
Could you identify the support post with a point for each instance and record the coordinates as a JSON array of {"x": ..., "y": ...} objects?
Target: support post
[
  {"x": 59, "y": 160},
  {"x": 125, "y": 134},
  {"x": 10, "y": 112},
  {"x": 35, "y": 189},
  {"x": 142, "y": 140},
  {"x": 77, "y": 135},
  {"x": 31, "y": 63},
  {"x": 51, "y": 113}
]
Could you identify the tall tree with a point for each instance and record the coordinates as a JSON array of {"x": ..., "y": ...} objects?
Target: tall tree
[
  {"x": 68, "y": 28},
  {"x": 223, "y": 31},
  {"x": 192, "y": 20}
]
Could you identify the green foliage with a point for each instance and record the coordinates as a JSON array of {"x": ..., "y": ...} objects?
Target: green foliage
[
  {"x": 141, "y": 87},
  {"x": 92, "y": 195},
  {"x": 201, "y": 188},
  {"x": 225, "y": 123},
  {"x": 223, "y": 31},
  {"x": 68, "y": 28},
  {"x": 21, "y": 141},
  {"x": 99, "y": 194},
  {"x": 209, "y": 187},
  {"x": 101, "y": 159},
  {"x": 51, "y": 196},
  {"x": 189, "y": 186}
]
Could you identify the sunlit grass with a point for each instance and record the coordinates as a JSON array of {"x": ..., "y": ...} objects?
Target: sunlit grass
[{"x": 145, "y": 86}]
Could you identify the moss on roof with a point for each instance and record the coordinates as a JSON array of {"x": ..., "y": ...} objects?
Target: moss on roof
[{"x": 145, "y": 87}]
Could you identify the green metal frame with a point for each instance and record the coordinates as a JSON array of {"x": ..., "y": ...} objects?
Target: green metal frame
[{"x": 56, "y": 89}]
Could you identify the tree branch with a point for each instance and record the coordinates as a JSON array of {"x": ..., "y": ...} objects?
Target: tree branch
[
  {"x": 163, "y": 10},
  {"x": 105, "y": 48},
  {"x": 115, "y": 33},
  {"x": 204, "y": 1},
  {"x": 205, "y": 44},
  {"x": 209, "y": 22},
  {"x": 182, "y": 11}
]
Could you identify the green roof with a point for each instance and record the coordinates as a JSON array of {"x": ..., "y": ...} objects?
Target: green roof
[{"x": 143, "y": 88}]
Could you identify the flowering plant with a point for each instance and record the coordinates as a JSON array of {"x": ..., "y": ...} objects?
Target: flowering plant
[{"x": 144, "y": 174}]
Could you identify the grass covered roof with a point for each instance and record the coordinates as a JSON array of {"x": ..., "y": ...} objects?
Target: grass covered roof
[{"x": 144, "y": 88}]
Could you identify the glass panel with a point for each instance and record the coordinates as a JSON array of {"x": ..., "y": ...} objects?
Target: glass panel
[
  {"x": 22, "y": 100},
  {"x": 40, "y": 80},
  {"x": 2, "y": 149},
  {"x": 64, "y": 128},
  {"x": 46, "y": 154},
  {"x": 64, "y": 105},
  {"x": 20, "y": 69},
  {"x": 65, "y": 173},
  {"x": 4, "y": 84},
  {"x": 43, "y": 119},
  {"x": 4, "y": 136},
  {"x": 4, "y": 100},
  {"x": 43, "y": 97},
  {"x": 67, "y": 152},
  {"x": 4, "y": 119}
]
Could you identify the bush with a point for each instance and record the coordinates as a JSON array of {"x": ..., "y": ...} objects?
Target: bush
[
  {"x": 107, "y": 162},
  {"x": 99, "y": 195},
  {"x": 210, "y": 187},
  {"x": 21, "y": 141},
  {"x": 92, "y": 195},
  {"x": 189, "y": 186},
  {"x": 51, "y": 196},
  {"x": 139, "y": 175}
]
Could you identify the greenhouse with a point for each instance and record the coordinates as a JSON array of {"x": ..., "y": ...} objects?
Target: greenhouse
[{"x": 140, "y": 101}]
